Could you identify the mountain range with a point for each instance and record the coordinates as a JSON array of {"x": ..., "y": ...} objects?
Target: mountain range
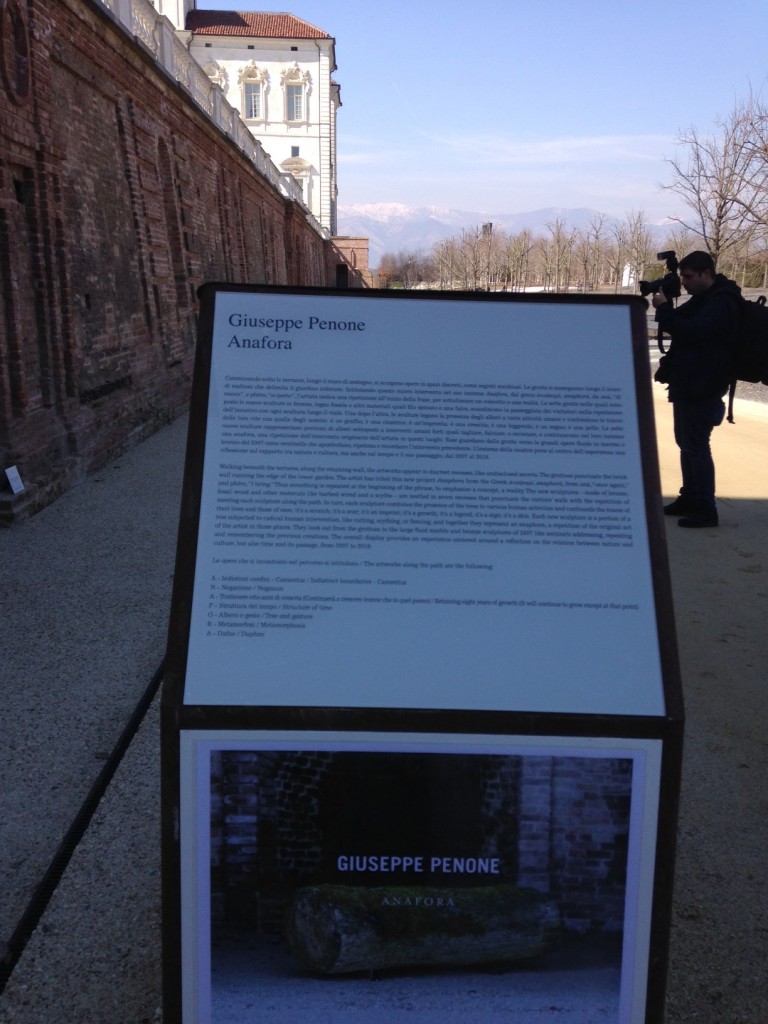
[{"x": 392, "y": 227}]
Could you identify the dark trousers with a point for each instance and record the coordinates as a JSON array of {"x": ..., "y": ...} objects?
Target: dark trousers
[{"x": 694, "y": 423}]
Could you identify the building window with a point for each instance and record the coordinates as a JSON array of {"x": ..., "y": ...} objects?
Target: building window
[
  {"x": 253, "y": 101},
  {"x": 294, "y": 150},
  {"x": 254, "y": 83},
  {"x": 295, "y": 101},
  {"x": 14, "y": 50},
  {"x": 295, "y": 91}
]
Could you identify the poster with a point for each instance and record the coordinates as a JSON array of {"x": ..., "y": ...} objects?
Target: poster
[
  {"x": 422, "y": 503},
  {"x": 406, "y": 877}
]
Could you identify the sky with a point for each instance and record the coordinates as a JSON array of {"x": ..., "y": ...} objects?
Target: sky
[{"x": 507, "y": 106}]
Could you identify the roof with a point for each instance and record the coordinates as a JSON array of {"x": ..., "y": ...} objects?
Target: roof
[{"x": 261, "y": 24}]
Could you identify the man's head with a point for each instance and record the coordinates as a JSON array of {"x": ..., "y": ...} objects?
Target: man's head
[{"x": 697, "y": 272}]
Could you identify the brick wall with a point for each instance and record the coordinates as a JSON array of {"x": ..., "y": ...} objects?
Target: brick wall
[
  {"x": 349, "y": 262},
  {"x": 574, "y": 831},
  {"x": 118, "y": 198},
  {"x": 265, "y": 832}
]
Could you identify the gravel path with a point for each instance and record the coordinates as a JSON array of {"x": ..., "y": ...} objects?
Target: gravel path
[{"x": 95, "y": 958}]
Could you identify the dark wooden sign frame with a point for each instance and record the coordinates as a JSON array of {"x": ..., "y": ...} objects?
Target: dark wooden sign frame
[{"x": 191, "y": 731}]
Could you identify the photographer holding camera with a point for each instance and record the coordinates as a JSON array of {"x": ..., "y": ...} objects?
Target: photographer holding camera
[{"x": 697, "y": 369}]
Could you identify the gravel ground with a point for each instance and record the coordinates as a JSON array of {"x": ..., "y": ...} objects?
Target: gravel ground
[
  {"x": 569, "y": 987},
  {"x": 719, "y": 948},
  {"x": 86, "y": 587},
  {"x": 95, "y": 957}
]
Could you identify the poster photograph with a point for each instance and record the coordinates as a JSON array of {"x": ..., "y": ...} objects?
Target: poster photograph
[{"x": 416, "y": 877}]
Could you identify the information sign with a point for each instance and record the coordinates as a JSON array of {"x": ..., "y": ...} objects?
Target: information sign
[{"x": 421, "y": 653}]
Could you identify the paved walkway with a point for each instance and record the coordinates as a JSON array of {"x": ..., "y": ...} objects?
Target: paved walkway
[{"x": 87, "y": 591}]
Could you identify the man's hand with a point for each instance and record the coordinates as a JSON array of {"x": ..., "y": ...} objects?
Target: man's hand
[{"x": 659, "y": 298}]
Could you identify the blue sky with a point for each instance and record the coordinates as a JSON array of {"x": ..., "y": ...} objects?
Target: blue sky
[{"x": 507, "y": 106}]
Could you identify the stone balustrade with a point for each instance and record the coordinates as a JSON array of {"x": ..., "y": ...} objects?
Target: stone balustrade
[{"x": 157, "y": 34}]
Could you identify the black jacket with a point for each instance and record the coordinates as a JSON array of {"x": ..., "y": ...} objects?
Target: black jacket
[{"x": 702, "y": 329}]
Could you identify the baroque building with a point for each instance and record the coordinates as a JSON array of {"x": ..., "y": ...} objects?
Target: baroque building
[{"x": 277, "y": 71}]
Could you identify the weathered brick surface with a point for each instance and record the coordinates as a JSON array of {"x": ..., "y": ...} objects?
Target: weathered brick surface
[
  {"x": 118, "y": 198},
  {"x": 349, "y": 262}
]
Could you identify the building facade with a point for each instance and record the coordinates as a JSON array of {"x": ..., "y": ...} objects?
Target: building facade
[{"x": 277, "y": 71}]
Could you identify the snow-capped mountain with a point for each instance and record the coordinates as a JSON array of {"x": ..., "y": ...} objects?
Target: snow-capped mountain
[{"x": 392, "y": 227}]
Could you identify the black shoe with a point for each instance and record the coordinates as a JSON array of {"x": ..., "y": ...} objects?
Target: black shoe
[
  {"x": 699, "y": 520},
  {"x": 681, "y": 506}
]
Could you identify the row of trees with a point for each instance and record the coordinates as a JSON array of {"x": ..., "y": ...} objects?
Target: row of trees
[{"x": 722, "y": 179}]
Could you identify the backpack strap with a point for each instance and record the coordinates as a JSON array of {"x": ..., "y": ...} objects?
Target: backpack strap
[{"x": 660, "y": 332}]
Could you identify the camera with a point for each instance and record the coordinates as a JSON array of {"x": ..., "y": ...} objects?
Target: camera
[{"x": 670, "y": 283}]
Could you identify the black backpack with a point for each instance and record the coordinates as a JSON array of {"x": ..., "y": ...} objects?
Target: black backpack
[{"x": 750, "y": 357}]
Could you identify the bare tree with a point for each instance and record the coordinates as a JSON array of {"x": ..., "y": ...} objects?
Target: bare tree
[
  {"x": 387, "y": 271},
  {"x": 404, "y": 269},
  {"x": 558, "y": 256},
  {"x": 616, "y": 256},
  {"x": 752, "y": 116},
  {"x": 722, "y": 179},
  {"x": 759, "y": 256},
  {"x": 597, "y": 237},
  {"x": 484, "y": 257},
  {"x": 445, "y": 259},
  {"x": 473, "y": 249},
  {"x": 589, "y": 252},
  {"x": 517, "y": 253},
  {"x": 583, "y": 256},
  {"x": 495, "y": 262},
  {"x": 681, "y": 240},
  {"x": 641, "y": 249}
]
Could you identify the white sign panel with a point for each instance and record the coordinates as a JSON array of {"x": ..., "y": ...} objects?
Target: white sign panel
[
  {"x": 14, "y": 479},
  {"x": 418, "y": 503}
]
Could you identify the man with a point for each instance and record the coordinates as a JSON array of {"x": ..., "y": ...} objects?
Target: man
[{"x": 697, "y": 369}]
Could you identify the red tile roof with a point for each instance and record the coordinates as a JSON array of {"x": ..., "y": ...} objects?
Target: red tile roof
[{"x": 263, "y": 24}]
